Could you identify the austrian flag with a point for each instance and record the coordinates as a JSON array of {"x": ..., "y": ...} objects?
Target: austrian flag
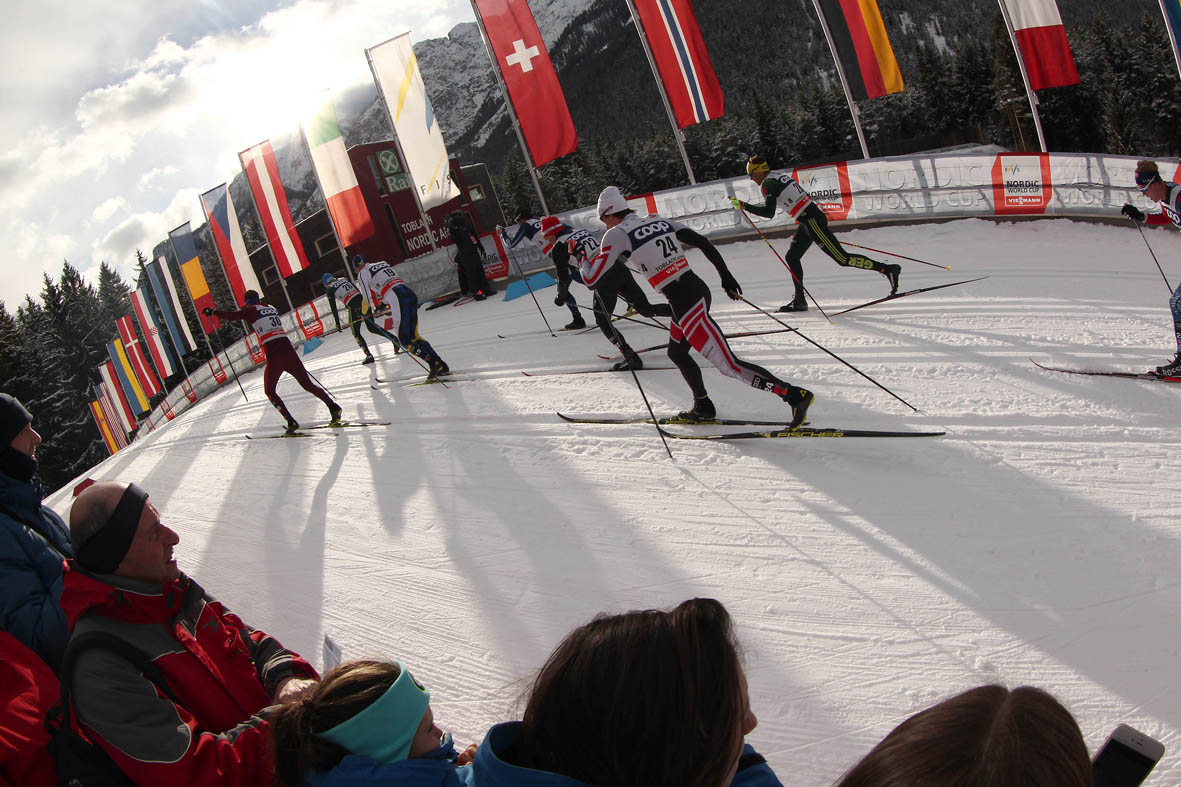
[{"x": 1041, "y": 41}]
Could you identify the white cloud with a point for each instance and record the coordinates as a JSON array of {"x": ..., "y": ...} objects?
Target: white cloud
[{"x": 100, "y": 129}]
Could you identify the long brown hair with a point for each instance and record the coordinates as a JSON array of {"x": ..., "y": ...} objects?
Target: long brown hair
[
  {"x": 643, "y": 698},
  {"x": 985, "y": 737},
  {"x": 343, "y": 693}
]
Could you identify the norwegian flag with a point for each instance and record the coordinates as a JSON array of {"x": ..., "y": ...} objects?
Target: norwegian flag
[
  {"x": 1041, "y": 43},
  {"x": 682, "y": 60},
  {"x": 529, "y": 78}
]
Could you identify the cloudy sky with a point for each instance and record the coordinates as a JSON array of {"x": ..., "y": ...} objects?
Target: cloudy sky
[{"x": 117, "y": 115}]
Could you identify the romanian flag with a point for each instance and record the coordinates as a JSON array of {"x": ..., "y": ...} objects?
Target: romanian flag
[
  {"x": 1041, "y": 43},
  {"x": 861, "y": 46},
  {"x": 190, "y": 268},
  {"x": 227, "y": 236},
  {"x": 262, "y": 173},
  {"x": 338, "y": 182},
  {"x": 135, "y": 353},
  {"x": 134, "y": 392},
  {"x": 100, "y": 421}
]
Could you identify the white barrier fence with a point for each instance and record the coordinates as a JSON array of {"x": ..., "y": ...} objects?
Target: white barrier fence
[{"x": 888, "y": 190}]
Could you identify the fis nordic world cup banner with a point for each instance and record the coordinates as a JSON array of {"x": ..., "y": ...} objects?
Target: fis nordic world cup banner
[
  {"x": 227, "y": 237},
  {"x": 262, "y": 173},
  {"x": 529, "y": 77},
  {"x": 682, "y": 60},
  {"x": 395, "y": 70}
]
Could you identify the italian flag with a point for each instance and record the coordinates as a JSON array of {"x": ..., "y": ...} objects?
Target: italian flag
[{"x": 336, "y": 176}]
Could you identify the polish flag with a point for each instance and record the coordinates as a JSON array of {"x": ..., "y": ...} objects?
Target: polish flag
[
  {"x": 529, "y": 78},
  {"x": 334, "y": 170},
  {"x": 1041, "y": 42},
  {"x": 262, "y": 172}
]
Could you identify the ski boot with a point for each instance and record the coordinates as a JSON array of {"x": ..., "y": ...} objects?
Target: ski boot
[
  {"x": 800, "y": 400},
  {"x": 438, "y": 369},
  {"x": 703, "y": 410},
  {"x": 576, "y": 324},
  {"x": 368, "y": 360},
  {"x": 334, "y": 413},
  {"x": 479, "y": 296},
  {"x": 631, "y": 360},
  {"x": 292, "y": 426},
  {"x": 797, "y": 305},
  {"x": 892, "y": 272},
  {"x": 1172, "y": 368}
]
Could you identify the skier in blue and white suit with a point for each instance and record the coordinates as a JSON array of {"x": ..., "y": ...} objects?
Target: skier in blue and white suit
[
  {"x": 380, "y": 285},
  {"x": 351, "y": 297},
  {"x": 1168, "y": 195},
  {"x": 655, "y": 248}
]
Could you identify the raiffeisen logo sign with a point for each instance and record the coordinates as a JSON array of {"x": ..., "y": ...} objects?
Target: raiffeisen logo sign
[
  {"x": 829, "y": 186},
  {"x": 1021, "y": 183}
]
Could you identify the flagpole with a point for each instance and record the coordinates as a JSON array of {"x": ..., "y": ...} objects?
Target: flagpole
[
  {"x": 844, "y": 80},
  {"x": 1033, "y": 102},
  {"x": 678, "y": 135},
  {"x": 180, "y": 316},
  {"x": 1172, "y": 37},
  {"x": 320, "y": 185},
  {"x": 511, "y": 111},
  {"x": 385, "y": 105}
]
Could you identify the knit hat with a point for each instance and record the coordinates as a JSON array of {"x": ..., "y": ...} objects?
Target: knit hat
[
  {"x": 756, "y": 164},
  {"x": 550, "y": 224},
  {"x": 611, "y": 201},
  {"x": 13, "y": 418}
]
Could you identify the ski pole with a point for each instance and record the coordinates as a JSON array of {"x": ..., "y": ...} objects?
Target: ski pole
[
  {"x": 780, "y": 258},
  {"x": 231, "y": 363},
  {"x": 830, "y": 352},
  {"x": 529, "y": 287},
  {"x": 636, "y": 377},
  {"x": 899, "y": 256},
  {"x": 653, "y": 324},
  {"x": 1150, "y": 251}
]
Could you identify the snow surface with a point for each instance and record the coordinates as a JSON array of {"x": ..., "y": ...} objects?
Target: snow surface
[{"x": 1036, "y": 543}]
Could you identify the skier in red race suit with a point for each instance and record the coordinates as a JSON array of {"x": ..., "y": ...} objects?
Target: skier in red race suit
[{"x": 281, "y": 356}]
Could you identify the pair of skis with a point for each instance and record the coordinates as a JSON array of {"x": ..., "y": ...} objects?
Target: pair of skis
[
  {"x": 782, "y": 432},
  {"x": 1160, "y": 378},
  {"x": 302, "y": 431}
]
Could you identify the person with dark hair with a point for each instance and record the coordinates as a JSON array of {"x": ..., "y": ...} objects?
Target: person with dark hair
[
  {"x": 366, "y": 723},
  {"x": 528, "y": 231},
  {"x": 281, "y": 356},
  {"x": 655, "y": 248},
  {"x": 469, "y": 256},
  {"x": 210, "y": 726},
  {"x": 634, "y": 700},
  {"x": 1167, "y": 195},
  {"x": 988, "y": 736},
  {"x": 780, "y": 189},
  {"x": 34, "y": 542},
  {"x": 381, "y": 286},
  {"x": 340, "y": 287}
]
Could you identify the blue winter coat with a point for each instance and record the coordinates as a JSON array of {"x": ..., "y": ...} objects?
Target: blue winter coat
[
  {"x": 489, "y": 770},
  {"x": 356, "y": 770},
  {"x": 33, "y": 541}
]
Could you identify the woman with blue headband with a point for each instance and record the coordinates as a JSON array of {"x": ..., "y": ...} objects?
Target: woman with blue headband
[{"x": 367, "y": 723}]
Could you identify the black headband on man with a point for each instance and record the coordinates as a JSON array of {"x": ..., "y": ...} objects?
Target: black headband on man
[{"x": 104, "y": 550}]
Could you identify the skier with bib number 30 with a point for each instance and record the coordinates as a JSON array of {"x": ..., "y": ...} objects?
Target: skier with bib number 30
[
  {"x": 781, "y": 190},
  {"x": 655, "y": 248},
  {"x": 281, "y": 356}
]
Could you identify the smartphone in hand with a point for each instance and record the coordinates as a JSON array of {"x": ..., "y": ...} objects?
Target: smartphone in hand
[{"x": 1126, "y": 758}]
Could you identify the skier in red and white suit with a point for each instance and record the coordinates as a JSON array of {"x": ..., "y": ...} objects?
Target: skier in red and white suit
[
  {"x": 281, "y": 356},
  {"x": 655, "y": 248}
]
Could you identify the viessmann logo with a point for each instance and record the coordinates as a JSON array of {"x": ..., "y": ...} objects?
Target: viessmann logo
[
  {"x": 1021, "y": 183},
  {"x": 829, "y": 186}
]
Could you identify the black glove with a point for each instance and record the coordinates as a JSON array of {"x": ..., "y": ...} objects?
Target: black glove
[
  {"x": 731, "y": 285},
  {"x": 1132, "y": 212},
  {"x": 207, "y": 311}
]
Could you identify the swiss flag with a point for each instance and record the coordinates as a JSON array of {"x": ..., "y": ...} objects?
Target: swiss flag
[{"x": 529, "y": 77}]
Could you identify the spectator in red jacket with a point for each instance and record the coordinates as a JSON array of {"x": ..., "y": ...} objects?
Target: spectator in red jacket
[{"x": 224, "y": 674}]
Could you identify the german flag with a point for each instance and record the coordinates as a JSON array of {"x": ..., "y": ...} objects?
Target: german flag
[{"x": 861, "y": 46}]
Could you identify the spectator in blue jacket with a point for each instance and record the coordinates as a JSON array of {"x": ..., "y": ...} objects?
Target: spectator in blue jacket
[
  {"x": 634, "y": 700},
  {"x": 34, "y": 542},
  {"x": 366, "y": 723}
]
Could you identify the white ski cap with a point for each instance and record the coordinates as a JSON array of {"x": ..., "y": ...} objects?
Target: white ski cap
[{"x": 611, "y": 201}]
